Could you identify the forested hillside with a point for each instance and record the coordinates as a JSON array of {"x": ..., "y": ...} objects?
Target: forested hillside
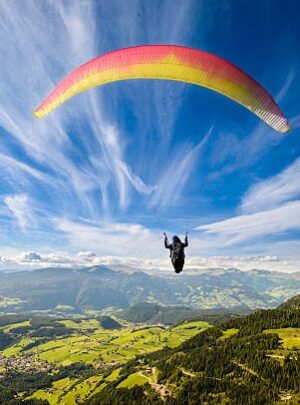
[{"x": 252, "y": 359}]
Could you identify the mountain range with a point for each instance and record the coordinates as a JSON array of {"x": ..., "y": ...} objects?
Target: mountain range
[{"x": 99, "y": 287}]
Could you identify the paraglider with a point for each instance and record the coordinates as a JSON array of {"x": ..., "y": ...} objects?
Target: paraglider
[
  {"x": 169, "y": 62},
  {"x": 177, "y": 251}
]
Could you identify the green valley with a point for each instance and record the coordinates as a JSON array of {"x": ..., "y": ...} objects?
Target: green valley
[
  {"x": 81, "y": 357},
  {"x": 231, "y": 359}
]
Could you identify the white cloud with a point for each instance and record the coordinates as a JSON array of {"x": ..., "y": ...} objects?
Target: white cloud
[
  {"x": 29, "y": 257},
  {"x": 194, "y": 265},
  {"x": 86, "y": 255},
  {"x": 124, "y": 239},
  {"x": 285, "y": 88},
  {"x": 170, "y": 186},
  {"x": 244, "y": 263},
  {"x": 249, "y": 227},
  {"x": 269, "y": 211},
  {"x": 295, "y": 122},
  {"x": 272, "y": 192},
  {"x": 46, "y": 143},
  {"x": 22, "y": 210}
]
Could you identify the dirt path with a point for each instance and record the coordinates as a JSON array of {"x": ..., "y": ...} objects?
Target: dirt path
[
  {"x": 246, "y": 368},
  {"x": 159, "y": 388},
  {"x": 187, "y": 372},
  {"x": 275, "y": 356}
]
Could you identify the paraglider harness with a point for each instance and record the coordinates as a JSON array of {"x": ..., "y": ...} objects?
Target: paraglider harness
[
  {"x": 177, "y": 257},
  {"x": 177, "y": 252}
]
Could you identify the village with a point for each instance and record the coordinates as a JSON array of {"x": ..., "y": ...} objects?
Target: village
[{"x": 27, "y": 363}]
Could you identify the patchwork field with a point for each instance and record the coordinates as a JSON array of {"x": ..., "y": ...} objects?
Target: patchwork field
[
  {"x": 95, "y": 345},
  {"x": 90, "y": 344}
]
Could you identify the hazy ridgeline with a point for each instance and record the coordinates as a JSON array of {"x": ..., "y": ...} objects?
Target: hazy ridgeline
[{"x": 99, "y": 287}]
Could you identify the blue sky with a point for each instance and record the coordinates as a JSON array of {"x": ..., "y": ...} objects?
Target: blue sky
[{"x": 113, "y": 168}]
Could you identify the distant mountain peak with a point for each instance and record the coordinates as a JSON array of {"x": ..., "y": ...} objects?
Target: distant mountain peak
[
  {"x": 293, "y": 303},
  {"x": 100, "y": 269}
]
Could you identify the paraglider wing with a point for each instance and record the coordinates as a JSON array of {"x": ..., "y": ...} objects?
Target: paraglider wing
[{"x": 169, "y": 62}]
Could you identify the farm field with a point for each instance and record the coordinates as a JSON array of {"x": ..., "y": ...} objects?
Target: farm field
[
  {"x": 95, "y": 345},
  {"x": 88, "y": 343},
  {"x": 290, "y": 337}
]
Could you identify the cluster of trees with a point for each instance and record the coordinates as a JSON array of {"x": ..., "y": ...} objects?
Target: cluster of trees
[
  {"x": 44, "y": 328},
  {"x": 282, "y": 317},
  {"x": 14, "y": 383},
  {"x": 136, "y": 395},
  {"x": 238, "y": 367},
  {"x": 75, "y": 370},
  {"x": 171, "y": 315},
  {"x": 5, "y": 340},
  {"x": 109, "y": 323},
  {"x": 32, "y": 401},
  {"x": 10, "y": 319}
]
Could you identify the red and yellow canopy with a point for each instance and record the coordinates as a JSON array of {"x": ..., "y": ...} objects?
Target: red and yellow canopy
[{"x": 169, "y": 62}]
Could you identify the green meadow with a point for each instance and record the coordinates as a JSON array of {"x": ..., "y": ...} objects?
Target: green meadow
[
  {"x": 228, "y": 333},
  {"x": 132, "y": 380},
  {"x": 105, "y": 350},
  {"x": 290, "y": 337},
  {"x": 112, "y": 346}
]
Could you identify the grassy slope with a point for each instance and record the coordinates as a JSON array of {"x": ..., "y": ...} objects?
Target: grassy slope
[
  {"x": 228, "y": 333},
  {"x": 132, "y": 380},
  {"x": 290, "y": 337}
]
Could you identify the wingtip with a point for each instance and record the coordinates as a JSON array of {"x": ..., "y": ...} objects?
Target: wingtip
[
  {"x": 288, "y": 129},
  {"x": 37, "y": 114}
]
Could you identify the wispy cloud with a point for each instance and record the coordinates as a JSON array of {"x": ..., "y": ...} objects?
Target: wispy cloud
[
  {"x": 231, "y": 153},
  {"x": 249, "y": 227},
  {"x": 272, "y": 192},
  {"x": 90, "y": 162},
  {"x": 20, "y": 207},
  {"x": 17, "y": 172},
  {"x": 170, "y": 187},
  {"x": 47, "y": 143},
  {"x": 285, "y": 88},
  {"x": 110, "y": 238},
  {"x": 268, "y": 212}
]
